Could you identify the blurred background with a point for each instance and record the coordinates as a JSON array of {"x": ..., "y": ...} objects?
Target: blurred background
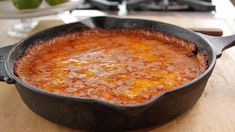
[{"x": 25, "y": 16}]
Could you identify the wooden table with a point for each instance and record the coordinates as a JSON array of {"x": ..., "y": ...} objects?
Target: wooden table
[{"x": 214, "y": 112}]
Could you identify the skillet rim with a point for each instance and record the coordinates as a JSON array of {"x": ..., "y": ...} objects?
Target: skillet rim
[{"x": 100, "y": 101}]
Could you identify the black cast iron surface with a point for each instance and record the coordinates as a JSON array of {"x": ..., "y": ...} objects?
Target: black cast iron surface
[{"x": 97, "y": 115}]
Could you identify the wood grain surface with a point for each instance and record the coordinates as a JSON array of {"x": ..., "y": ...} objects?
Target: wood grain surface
[{"x": 214, "y": 112}]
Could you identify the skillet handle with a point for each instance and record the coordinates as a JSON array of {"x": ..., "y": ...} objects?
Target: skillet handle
[
  {"x": 219, "y": 44},
  {"x": 3, "y": 74}
]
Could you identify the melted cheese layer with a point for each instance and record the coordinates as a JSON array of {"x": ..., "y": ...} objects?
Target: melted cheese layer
[{"x": 121, "y": 66}]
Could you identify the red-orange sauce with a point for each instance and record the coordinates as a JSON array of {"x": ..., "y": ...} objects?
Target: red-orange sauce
[{"x": 121, "y": 66}]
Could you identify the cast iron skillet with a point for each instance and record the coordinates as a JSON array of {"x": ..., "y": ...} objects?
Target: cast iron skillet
[{"x": 98, "y": 115}]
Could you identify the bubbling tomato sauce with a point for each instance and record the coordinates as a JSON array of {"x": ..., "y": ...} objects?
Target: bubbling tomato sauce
[{"x": 120, "y": 66}]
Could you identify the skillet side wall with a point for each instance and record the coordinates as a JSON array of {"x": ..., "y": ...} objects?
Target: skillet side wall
[
  {"x": 89, "y": 115},
  {"x": 173, "y": 104},
  {"x": 99, "y": 116}
]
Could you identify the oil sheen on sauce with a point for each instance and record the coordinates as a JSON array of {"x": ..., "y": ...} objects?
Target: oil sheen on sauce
[{"x": 120, "y": 66}]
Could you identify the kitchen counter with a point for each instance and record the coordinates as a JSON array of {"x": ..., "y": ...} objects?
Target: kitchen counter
[{"x": 214, "y": 112}]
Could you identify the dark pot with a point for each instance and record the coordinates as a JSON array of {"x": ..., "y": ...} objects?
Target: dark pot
[{"x": 94, "y": 114}]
